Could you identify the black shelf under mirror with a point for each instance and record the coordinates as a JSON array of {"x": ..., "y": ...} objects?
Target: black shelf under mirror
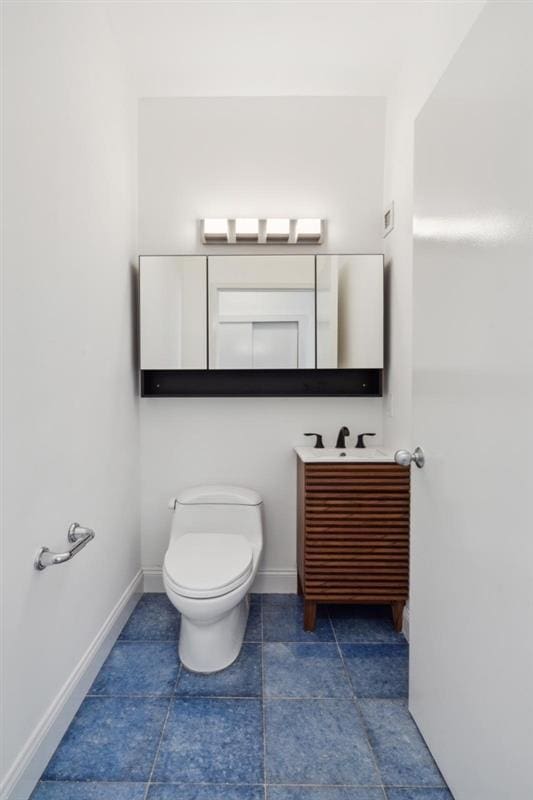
[{"x": 262, "y": 383}]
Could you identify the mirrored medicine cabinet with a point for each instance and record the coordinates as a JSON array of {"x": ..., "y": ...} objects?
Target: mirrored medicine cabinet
[{"x": 261, "y": 325}]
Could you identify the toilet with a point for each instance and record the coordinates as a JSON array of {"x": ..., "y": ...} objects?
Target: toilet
[{"x": 216, "y": 540}]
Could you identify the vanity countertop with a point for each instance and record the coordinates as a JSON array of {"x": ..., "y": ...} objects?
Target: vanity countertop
[{"x": 333, "y": 455}]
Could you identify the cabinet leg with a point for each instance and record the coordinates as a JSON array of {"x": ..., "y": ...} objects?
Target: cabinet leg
[
  {"x": 299, "y": 583},
  {"x": 309, "y": 615},
  {"x": 397, "y": 614}
]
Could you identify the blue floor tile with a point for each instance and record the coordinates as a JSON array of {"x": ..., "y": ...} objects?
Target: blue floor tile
[
  {"x": 212, "y": 748},
  {"x": 110, "y": 739},
  {"x": 282, "y": 599},
  {"x": 377, "y": 670},
  {"x": 154, "y": 618},
  {"x": 83, "y": 790},
  {"x": 418, "y": 794},
  {"x": 364, "y": 624},
  {"x": 241, "y": 679},
  {"x": 400, "y": 750},
  {"x": 254, "y": 628},
  {"x": 168, "y": 791},
  {"x": 317, "y": 742},
  {"x": 138, "y": 668},
  {"x": 210, "y": 740},
  {"x": 283, "y": 621},
  {"x": 323, "y": 793},
  {"x": 304, "y": 670}
]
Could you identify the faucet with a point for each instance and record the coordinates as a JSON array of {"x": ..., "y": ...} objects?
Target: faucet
[
  {"x": 361, "y": 439},
  {"x": 341, "y": 438},
  {"x": 319, "y": 442}
]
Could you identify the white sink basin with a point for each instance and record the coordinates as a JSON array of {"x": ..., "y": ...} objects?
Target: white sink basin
[{"x": 348, "y": 455}]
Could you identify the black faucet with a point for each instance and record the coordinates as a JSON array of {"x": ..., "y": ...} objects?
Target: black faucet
[
  {"x": 360, "y": 439},
  {"x": 318, "y": 442},
  {"x": 341, "y": 438}
]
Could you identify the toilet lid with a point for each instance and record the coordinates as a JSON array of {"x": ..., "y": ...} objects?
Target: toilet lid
[{"x": 207, "y": 564}]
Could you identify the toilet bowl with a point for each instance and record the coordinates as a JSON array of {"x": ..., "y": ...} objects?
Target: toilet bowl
[{"x": 215, "y": 546}]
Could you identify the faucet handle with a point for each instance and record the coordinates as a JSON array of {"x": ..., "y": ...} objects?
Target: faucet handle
[
  {"x": 360, "y": 439},
  {"x": 318, "y": 442}
]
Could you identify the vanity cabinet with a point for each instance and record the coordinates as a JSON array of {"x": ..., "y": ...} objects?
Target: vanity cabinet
[{"x": 353, "y": 535}]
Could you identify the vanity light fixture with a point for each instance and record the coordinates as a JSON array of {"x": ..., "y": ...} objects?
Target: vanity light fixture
[
  {"x": 215, "y": 231},
  {"x": 263, "y": 230},
  {"x": 308, "y": 230},
  {"x": 278, "y": 230},
  {"x": 247, "y": 230}
]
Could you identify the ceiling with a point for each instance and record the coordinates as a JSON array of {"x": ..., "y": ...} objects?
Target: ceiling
[{"x": 280, "y": 47}]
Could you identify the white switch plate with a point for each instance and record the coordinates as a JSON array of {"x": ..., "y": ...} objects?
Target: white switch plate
[{"x": 388, "y": 220}]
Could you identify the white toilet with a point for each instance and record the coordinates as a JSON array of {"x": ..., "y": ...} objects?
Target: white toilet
[{"x": 215, "y": 546}]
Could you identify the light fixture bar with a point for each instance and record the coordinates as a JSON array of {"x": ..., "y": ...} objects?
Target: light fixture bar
[{"x": 264, "y": 230}]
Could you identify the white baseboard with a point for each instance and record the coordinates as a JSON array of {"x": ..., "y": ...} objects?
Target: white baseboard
[
  {"x": 28, "y": 768},
  {"x": 275, "y": 581},
  {"x": 153, "y": 579},
  {"x": 405, "y": 629}
]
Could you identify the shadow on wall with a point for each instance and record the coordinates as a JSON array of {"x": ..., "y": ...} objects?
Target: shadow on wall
[
  {"x": 386, "y": 323},
  {"x": 135, "y": 330}
]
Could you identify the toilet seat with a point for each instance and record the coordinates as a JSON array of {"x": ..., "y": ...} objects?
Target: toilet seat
[{"x": 202, "y": 565}]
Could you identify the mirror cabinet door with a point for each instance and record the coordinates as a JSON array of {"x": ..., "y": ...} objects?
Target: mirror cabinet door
[
  {"x": 349, "y": 310},
  {"x": 261, "y": 312},
  {"x": 173, "y": 308}
]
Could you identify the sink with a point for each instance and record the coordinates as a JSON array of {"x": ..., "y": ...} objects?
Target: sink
[{"x": 346, "y": 455}]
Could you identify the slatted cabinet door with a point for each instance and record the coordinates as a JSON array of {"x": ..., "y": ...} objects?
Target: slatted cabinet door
[{"x": 353, "y": 535}]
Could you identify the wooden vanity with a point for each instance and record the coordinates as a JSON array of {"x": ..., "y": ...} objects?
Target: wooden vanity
[{"x": 353, "y": 532}]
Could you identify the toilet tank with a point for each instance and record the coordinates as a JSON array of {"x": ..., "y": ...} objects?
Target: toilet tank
[{"x": 219, "y": 509}]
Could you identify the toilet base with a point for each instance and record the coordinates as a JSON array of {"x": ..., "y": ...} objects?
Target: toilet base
[{"x": 214, "y": 645}]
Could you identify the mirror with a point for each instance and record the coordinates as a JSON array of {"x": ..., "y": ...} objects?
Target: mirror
[
  {"x": 349, "y": 310},
  {"x": 240, "y": 312},
  {"x": 173, "y": 303},
  {"x": 261, "y": 312}
]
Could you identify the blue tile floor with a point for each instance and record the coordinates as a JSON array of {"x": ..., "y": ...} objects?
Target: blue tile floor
[{"x": 298, "y": 716}]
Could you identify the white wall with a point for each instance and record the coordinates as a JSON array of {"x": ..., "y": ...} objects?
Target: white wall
[
  {"x": 70, "y": 415},
  {"x": 242, "y": 441},
  {"x": 278, "y": 156},
  {"x": 414, "y": 84},
  {"x": 246, "y": 157}
]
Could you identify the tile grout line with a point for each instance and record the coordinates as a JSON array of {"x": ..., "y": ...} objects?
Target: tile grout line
[
  {"x": 263, "y": 703},
  {"x": 365, "y": 642},
  {"x": 356, "y": 707},
  {"x": 83, "y": 781},
  {"x": 158, "y": 748},
  {"x": 285, "y": 698}
]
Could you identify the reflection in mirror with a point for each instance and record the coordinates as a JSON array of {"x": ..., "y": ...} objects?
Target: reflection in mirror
[
  {"x": 173, "y": 312},
  {"x": 349, "y": 312},
  {"x": 261, "y": 312}
]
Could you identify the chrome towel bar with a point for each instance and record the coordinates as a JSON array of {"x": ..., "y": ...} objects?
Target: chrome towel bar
[{"x": 77, "y": 534}]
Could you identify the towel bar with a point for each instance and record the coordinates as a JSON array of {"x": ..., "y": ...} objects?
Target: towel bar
[{"x": 77, "y": 534}]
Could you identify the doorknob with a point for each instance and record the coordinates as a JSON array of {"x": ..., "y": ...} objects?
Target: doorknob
[{"x": 404, "y": 457}]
